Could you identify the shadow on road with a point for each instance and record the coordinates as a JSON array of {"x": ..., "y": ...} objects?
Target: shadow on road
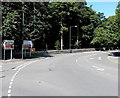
[{"x": 116, "y": 54}]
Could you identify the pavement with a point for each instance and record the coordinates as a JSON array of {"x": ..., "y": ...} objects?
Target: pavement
[{"x": 77, "y": 74}]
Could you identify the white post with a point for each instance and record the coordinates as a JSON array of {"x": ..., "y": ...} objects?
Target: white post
[
  {"x": 11, "y": 54},
  {"x": 30, "y": 51},
  {"x": 22, "y": 52},
  {"x": 61, "y": 40},
  {"x": 25, "y": 52},
  {"x": 4, "y": 54}
]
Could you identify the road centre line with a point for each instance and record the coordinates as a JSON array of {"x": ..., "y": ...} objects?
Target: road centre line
[{"x": 99, "y": 58}]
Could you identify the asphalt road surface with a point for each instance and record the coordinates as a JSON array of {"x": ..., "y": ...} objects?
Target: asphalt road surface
[{"x": 76, "y": 74}]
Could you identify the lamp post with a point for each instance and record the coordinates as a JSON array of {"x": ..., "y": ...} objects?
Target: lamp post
[{"x": 70, "y": 36}]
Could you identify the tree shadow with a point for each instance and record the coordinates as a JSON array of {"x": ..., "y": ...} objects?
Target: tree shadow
[{"x": 116, "y": 54}]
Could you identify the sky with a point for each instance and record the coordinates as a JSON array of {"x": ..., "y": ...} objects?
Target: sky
[{"x": 108, "y": 8}]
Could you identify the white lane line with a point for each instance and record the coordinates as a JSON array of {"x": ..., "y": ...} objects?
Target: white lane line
[
  {"x": 9, "y": 94},
  {"x": 12, "y": 79},
  {"x": 98, "y": 68},
  {"x": 11, "y": 83},
  {"x": 99, "y": 58},
  {"x": 18, "y": 67},
  {"x": 9, "y": 91},
  {"x": 18, "y": 70},
  {"x": 91, "y": 58},
  {"x": 10, "y": 86},
  {"x": 76, "y": 60}
]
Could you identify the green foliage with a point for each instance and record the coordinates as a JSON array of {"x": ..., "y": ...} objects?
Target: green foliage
[
  {"x": 10, "y": 22},
  {"x": 57, "y": 45},
  {"x": 107, "y": 35},
  {"x": 45, "y": 22},
  {"x": 77, "y": 45},
  {"x": 118, "y": 13}
]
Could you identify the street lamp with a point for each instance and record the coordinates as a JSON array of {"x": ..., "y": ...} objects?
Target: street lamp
[{"x": 70, "y": 36}]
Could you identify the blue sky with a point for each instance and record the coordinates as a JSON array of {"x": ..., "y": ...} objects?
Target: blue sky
[{"x": 108, "y": 8}]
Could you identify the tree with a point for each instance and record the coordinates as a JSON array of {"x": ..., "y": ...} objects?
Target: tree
[
  {"x": 118, "y": 21},
  {"x": 11, "y": 22},
  {"x": 45, "y": 23},
  {"x": 118, "y": 13},
  {"x": 106, "y": 34}
]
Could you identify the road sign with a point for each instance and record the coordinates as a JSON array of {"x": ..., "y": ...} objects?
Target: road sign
[
  {"x": 8, "y": 44},
  {"x": 27, "y": 44}
]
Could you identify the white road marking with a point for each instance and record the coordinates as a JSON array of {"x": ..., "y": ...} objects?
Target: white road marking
[
  {"x": 9, "y": 91},
  {"x": 18, "y": 67},
  {"x": 12, "y": 79},
  {"x": 9, "y": 94},
  {"x": 76, "y": 60},
  {"x": 98, "y": 68},
  {"x": 91, "y": 58},
  {"x": 18, "y": 70},
  {"x": 11, "y": 83},
  {"x": 99, "y": 58},
  {"x": 10, "y": 86}
]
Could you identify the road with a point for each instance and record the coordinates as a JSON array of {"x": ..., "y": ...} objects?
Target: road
[{"x": 75, "y": 74}]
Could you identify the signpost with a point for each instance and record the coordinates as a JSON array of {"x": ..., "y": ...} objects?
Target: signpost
[
  {"x": 8, "y": 45},
  {"x": 27, "y": 45}
]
